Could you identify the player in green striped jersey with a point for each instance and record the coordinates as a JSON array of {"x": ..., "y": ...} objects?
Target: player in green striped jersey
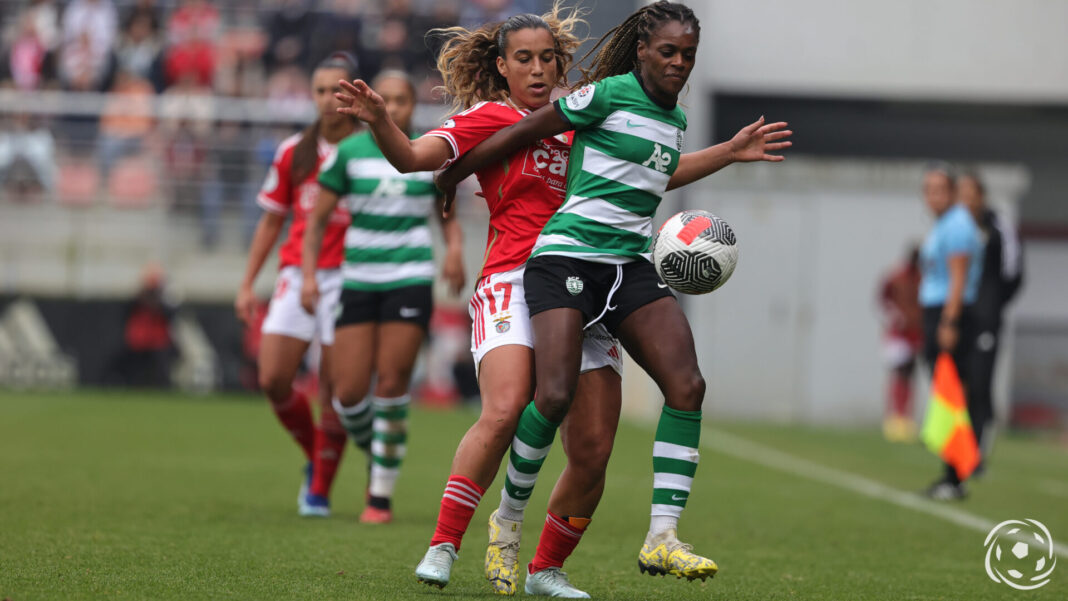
[
  {"x": 591, "y": 262},
  {"x": 386, "y": 299}
]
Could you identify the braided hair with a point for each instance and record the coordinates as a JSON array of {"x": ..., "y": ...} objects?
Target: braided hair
[
  {"x": 468, "y": 59},
  {"x": 618, "y": 52}
]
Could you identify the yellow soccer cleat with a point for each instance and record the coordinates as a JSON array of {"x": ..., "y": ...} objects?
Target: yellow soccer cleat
[
  {"x": 502, "y": 554},
  {"x": 664, "y": 554}
]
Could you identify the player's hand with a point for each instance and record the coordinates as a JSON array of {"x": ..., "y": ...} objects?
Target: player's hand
[
  {"x": 446, "y": 184},
  {"x": 360, "y": 101},
  {"x": 452, "y": 270},
  {"x": 309, "y": 295},
  {"x": 754, "y": 141},
  {"x": 948, "y": 336},
  {"x": 245, "y": 304}
]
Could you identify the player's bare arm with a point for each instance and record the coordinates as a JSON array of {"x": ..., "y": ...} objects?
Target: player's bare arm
[
  {"x": 452, "y": 267},
  {"x": 542, "y": 123},
  {"x": 752, "y": 143},
  {"x": 425, "y": 153},
  {"x": 267, "y": 231},
  {"x": 313, "y": 241}
]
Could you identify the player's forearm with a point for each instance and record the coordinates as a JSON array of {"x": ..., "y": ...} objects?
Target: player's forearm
[
  {"x": 696, "y": 165},
  {"x": 453, "y": 235},
  {"x": 263, "y": 240},
  {"x": 958, "y": 272},
  {"x": 313, "y": 241}
]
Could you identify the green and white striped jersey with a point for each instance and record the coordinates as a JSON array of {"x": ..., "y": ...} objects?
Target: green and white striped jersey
[
  {"x": 626, "y": 147},
  {"x": 388, "y": 242}
]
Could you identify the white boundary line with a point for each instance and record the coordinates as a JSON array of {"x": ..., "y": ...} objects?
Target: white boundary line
[{"x": 747, "y": 450}]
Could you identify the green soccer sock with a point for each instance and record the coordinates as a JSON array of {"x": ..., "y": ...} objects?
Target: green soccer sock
[
  {"x": 533, "y": 439},
  {"x": 675, "y": 459},
  {"x": 389, "y": 444}
]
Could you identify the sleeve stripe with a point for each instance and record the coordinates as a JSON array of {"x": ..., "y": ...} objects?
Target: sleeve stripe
[
  {"x": 563, "y": 115},
  {"x": 437, "y": 133},
  {"x": 271, "y": 206}
]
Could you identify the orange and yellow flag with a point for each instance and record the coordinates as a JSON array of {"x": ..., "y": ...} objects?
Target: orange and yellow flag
[{"x": 947, "y": 431}]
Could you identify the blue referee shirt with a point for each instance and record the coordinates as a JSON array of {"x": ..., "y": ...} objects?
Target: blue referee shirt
[{"x": 954, "y": 233}]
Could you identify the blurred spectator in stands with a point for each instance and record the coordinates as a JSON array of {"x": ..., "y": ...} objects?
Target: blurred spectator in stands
[
  {"x": 899, "y": 298},
  {"x": 139, "y": 49},
  {"x": 289, "y": 30},
  {"x": 45, "y": 18},
  {"x": 148, "y": 349},
  {"x": 186, "y": 109},
  {"x": 90, "y": 28},
  {"x": 1000, "y": 281},
  {"x": 27, "y": 157},
  {"x": 191, "y": 34},
  {"x": 287, "y": 92},
  {"x": 228, "y": 181},
  {"x": 24, "y": 62},
  {"x": 126, "y": 120},
  {"x": 478, "y": 12},
  {"x": 338, "y": 28}
]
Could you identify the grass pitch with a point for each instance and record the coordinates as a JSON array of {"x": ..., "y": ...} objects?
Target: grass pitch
[{"x": 147, "y": 496}]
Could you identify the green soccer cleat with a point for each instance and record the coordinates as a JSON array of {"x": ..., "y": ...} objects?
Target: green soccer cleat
[
  {"x": 436, "y": 565},
  {"x": 502, "y": 554},
  {"x": 552, "y": 582},
  {"x": 664, "y": 554}
]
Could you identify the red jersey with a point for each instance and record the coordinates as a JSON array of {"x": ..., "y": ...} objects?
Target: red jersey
[
  {"x": 280, "y": 196},
  {"x": 522, "y": 192}
]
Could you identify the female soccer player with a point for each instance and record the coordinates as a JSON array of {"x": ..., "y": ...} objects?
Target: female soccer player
[
  {"x": 591, "y": 264},
  {"x": 499, "y": 73},
  {"x": 386, "y": 298},
  {"x": 288, "y": 329}
]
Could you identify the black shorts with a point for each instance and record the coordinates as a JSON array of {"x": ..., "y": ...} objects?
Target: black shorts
[
  {"x": 554, "y": 281},
  {"x": 411, "y": 304}
]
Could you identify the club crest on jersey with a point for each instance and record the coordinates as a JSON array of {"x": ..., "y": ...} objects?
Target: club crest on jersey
[
  {"x": 574, "y": 285},
  {"x": 580, "y": 98},
  {"x": 502, "y": 324}
]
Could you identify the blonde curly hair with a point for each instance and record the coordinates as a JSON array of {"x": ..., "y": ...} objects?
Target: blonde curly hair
[{"x": 468, "y": 59}]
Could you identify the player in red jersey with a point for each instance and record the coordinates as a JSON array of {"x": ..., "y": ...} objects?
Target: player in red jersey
[
  {"x": 291, "y": 187},
  {"x": 499, "y": 73}
]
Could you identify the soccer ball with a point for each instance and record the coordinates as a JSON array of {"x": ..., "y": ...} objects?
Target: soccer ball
[{"x": 695, "y": 252}]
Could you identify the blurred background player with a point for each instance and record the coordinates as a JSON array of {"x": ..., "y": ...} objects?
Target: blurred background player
[
  {"x": 387, "y": 297},
  {"x": 951, "y": 264},
  {"x": 1002, "y": 275},
  {"x": 903, "y": 321},
  {"x": 525, "y": 57},
  {"x": 591, "y": 260},
  {"x": 288, "y": 329}
]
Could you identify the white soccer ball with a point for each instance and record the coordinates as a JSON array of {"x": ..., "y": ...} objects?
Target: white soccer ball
[{"x": 695, "y": 252}]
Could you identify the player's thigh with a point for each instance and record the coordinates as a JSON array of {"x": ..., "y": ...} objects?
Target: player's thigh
[
  {"x": 397, "y": 347},
  {"x": 658, "y": 337},
  {"x": 352, "y": 361},
  {"x": 506, "y": 383},
  {"x": 280, "y": 358}
]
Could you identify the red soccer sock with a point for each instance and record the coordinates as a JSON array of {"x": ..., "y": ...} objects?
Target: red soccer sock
[
  {"x": 558, "y": 540},
  {"x": 458, "y": 504},
  {"x": 901, "y": 395},
  {"x": 296, "y": 417},
  {"x": 330, "y": 443}
]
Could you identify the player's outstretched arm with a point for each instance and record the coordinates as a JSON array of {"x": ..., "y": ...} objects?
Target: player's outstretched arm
[
  {"x": 426, "y": 153},
  {"x": 752, "y": 143},
  {"x": 542, "y": 123}
]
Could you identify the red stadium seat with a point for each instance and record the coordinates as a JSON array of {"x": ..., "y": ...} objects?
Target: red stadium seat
[
  {"x": 133, "y": 183},
  {"x": 78, "y": 183}
]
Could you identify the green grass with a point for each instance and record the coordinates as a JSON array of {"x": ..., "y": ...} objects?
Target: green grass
[{"x": 145, "y": 496}]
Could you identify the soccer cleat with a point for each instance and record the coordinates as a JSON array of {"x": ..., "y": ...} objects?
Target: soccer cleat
[
  {"x": 314, "y": 506},
  {"x": 944, "y": 490},
  {"x": 664, "y": 554},
  {"x": 436, "y": 565},
  {"x": 374, "y": 515},
  {"x": 552, "y": 582},
  {"x": 502, "y": 554},
  {"x": 305, "y": 486}
]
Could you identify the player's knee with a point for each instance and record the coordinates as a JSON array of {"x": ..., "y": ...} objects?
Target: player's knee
[
  {"x": 277, "y": 387},
  {"x": 591, "y": 458},
  {"x": 498, "y": 426},
  {"x": 391, "y": 385},
  {"x": 553, "y": 401},
  {"x": 349, "y": 394},
  {"x": 691, "y": 393}
]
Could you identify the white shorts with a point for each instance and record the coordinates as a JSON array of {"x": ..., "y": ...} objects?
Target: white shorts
[
  {"x": 285, "y": 316},
  {"x": 499, "y": 316}
]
